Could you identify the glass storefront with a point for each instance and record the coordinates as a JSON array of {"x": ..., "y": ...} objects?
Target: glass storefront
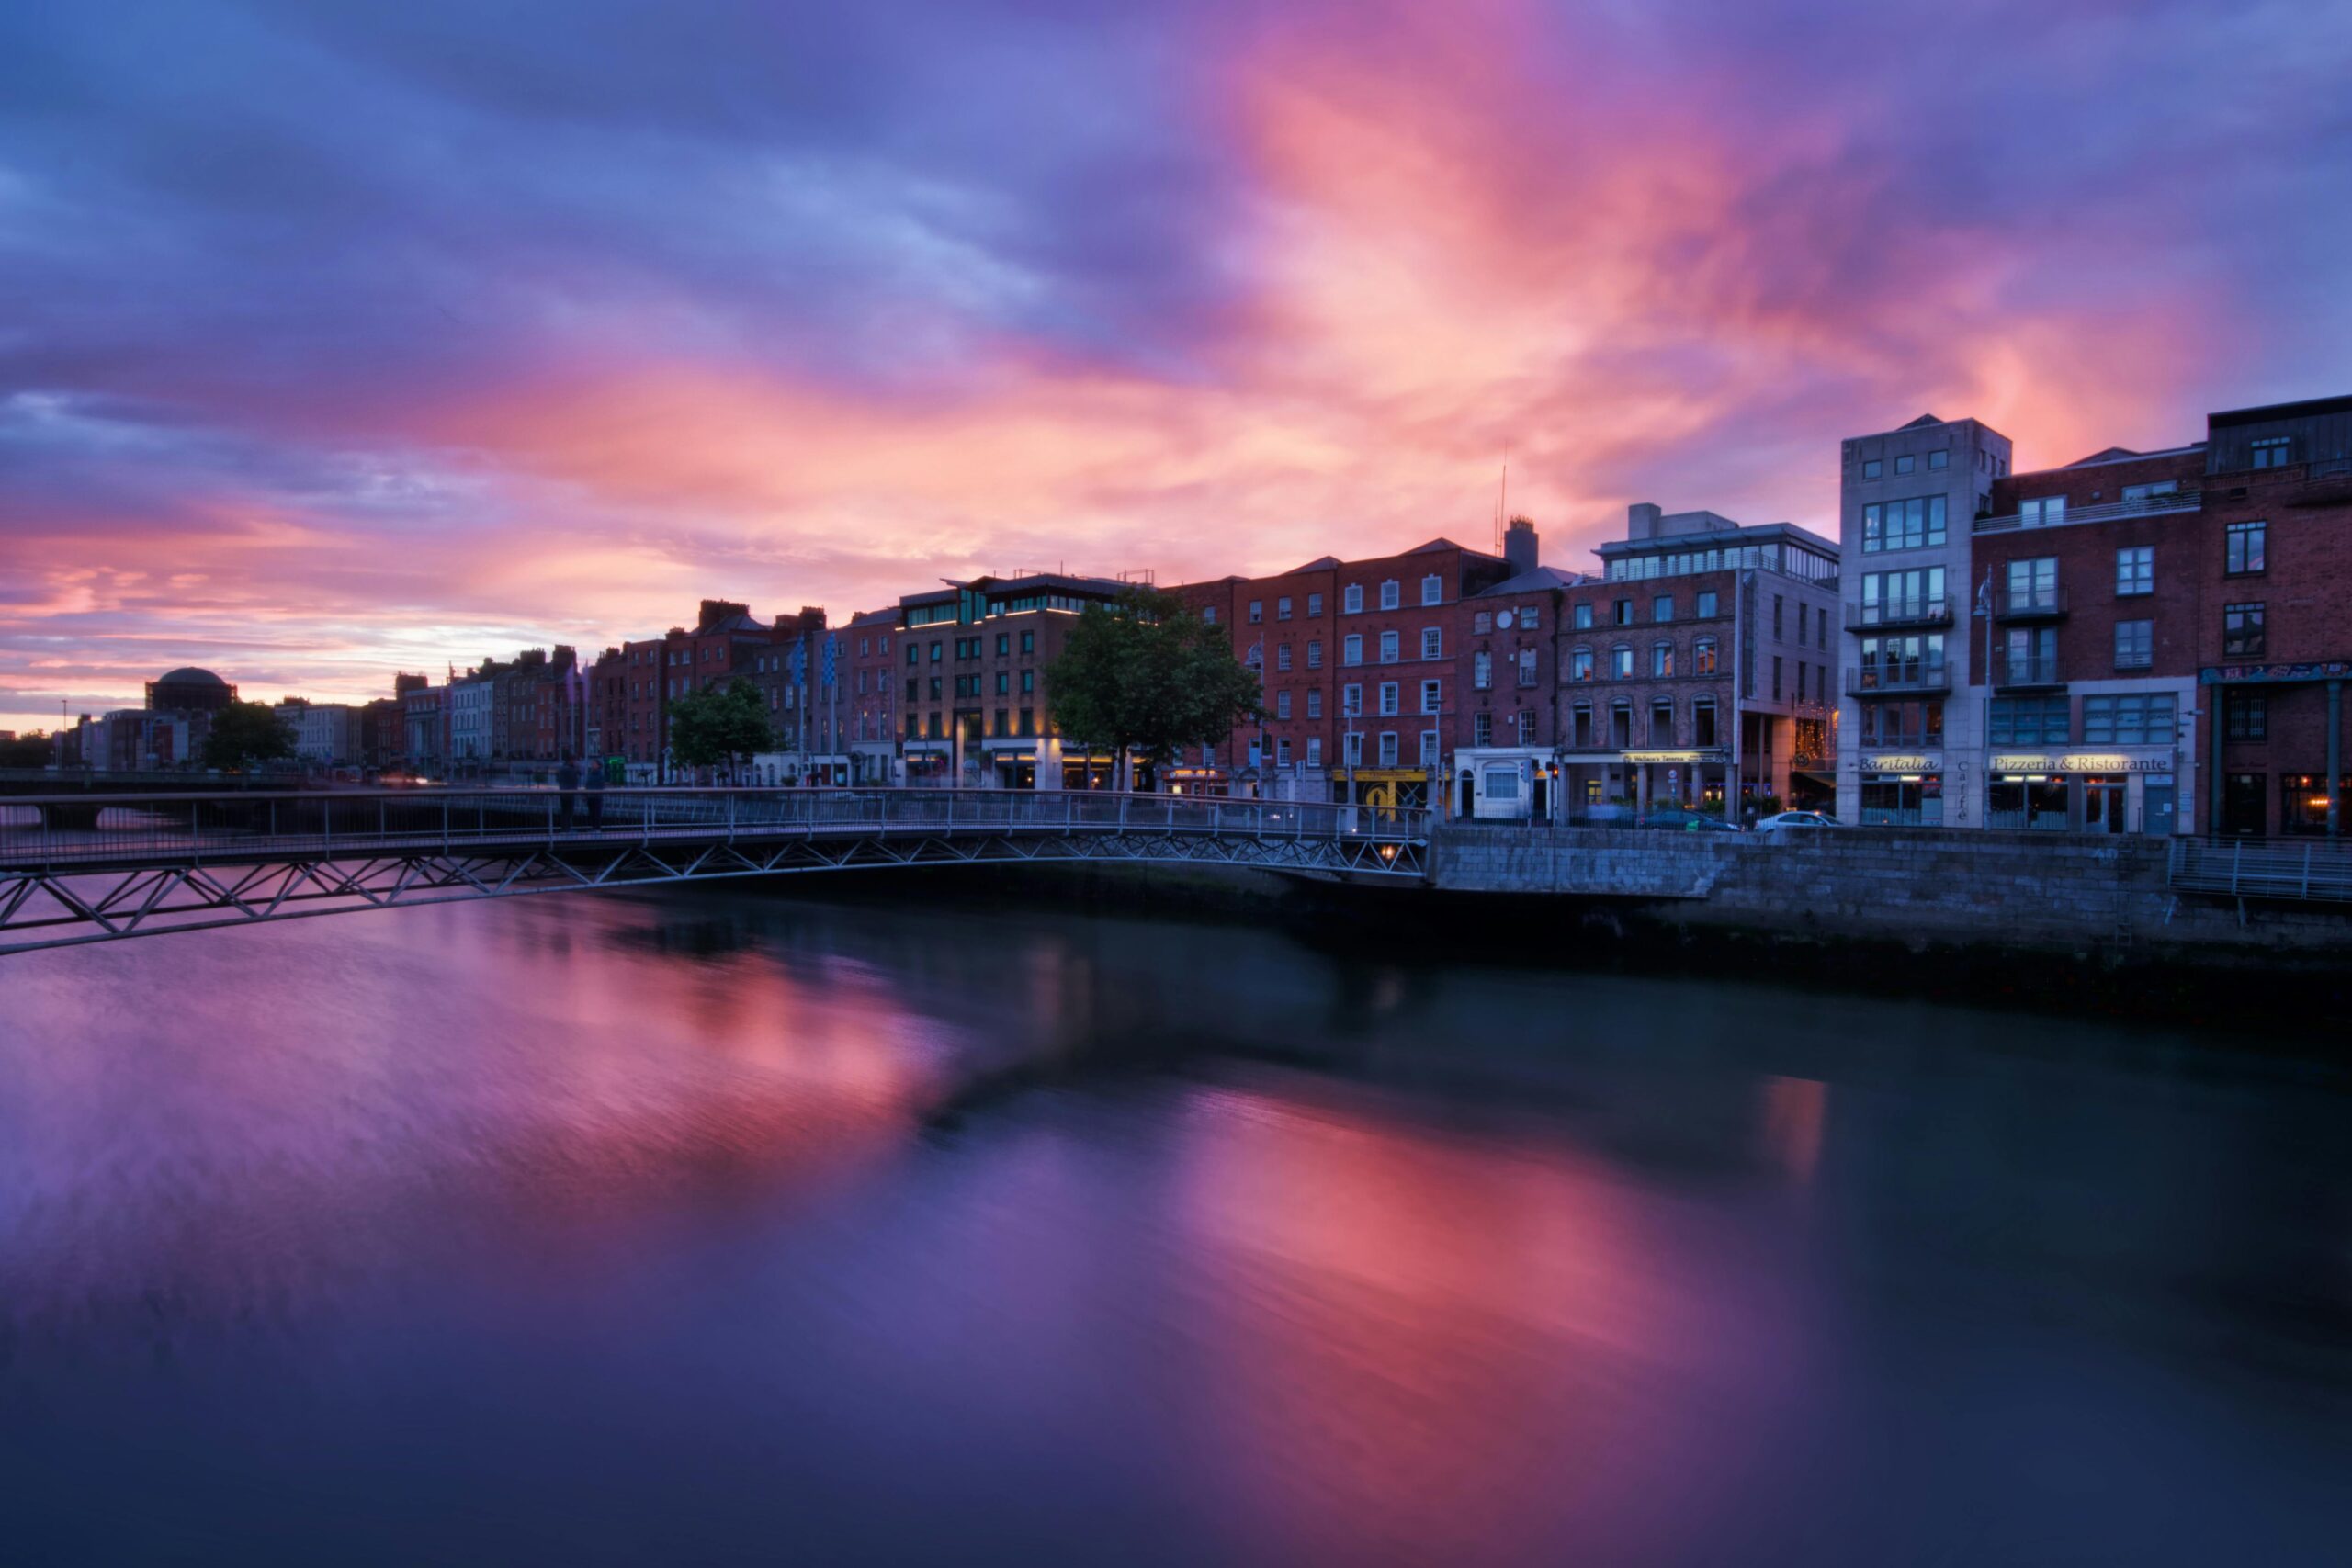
[
  {"x": 2103, "y": 798},
  {"x": 2302, "y": 803},
  {"x": 2028, "y": 800},
  {"x": 1903, "y": 800}
]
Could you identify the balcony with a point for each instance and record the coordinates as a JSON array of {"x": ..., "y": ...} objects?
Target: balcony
[
  {"x": 2106, "y": 511},
  {"x": 2025, "y": 674},
  {"x": 2028, "y": 603},
  {"x": 1897, "y": 680},
  {"x": 1936, "y": 612}
]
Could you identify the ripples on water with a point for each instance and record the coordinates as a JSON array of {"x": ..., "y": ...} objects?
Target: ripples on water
[{"x": 723, "y": 1227}]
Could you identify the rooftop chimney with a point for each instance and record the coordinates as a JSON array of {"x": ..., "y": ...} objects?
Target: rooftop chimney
[
  {"x": 1642, "y": 520},
  {"x": 1519, "y": 545}
]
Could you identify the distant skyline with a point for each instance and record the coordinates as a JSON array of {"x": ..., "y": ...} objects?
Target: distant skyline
[{"x": 341, "y": 338}]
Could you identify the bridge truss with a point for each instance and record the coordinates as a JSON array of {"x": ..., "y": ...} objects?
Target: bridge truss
[{"x": 184, "y": 863}]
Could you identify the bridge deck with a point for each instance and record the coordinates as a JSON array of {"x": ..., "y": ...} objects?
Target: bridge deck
[{"x": 139, "y": 865}]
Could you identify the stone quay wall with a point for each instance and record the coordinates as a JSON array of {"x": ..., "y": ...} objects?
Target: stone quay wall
[{"x": 1912, "y": 887}]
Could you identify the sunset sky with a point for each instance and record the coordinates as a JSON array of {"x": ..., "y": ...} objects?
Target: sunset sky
[{"x": 339, "y": 338}]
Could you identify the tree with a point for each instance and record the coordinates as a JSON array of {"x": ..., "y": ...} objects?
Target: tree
[
  {"x": 1146, "y": 676},
  {"x": 34, "y": 751},
  {"x": 243, "y": 734},
  {"x": 719, "y": 725}
]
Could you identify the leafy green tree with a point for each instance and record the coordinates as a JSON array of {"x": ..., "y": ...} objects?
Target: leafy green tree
[
  {"x": 719, "y": 725},
  {"x": 244, "y": 734},
  {"x": 1146, "y": 676},
  {"x": 32, "y": 750}
]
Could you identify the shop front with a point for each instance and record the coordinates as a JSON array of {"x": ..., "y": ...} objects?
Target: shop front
[
  {"x": 1697, "y": 780},
  {"x": 2118, "y": 792},
  {"x": 1197, "y": 781},
  {"x": 1903, "y": 789},
  {"x": 931, "y": 764},
  {"x": 1384, "y": 786},
  {"x": 1509, "y": 784}
]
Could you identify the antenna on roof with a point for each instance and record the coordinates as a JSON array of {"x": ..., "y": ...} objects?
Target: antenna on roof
[{"x": 1502, "y": 499}]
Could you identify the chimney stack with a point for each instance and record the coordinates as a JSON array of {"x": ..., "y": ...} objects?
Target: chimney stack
[
  {"x": 1642, "y": 520},
  {"x": 1519, "y": 545}
]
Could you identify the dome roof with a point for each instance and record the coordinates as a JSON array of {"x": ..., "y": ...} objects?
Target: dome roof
[{"x": 189, "y": 689}]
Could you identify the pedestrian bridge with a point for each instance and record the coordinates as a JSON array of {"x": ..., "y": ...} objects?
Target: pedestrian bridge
[{"x": 73, "y": 870}]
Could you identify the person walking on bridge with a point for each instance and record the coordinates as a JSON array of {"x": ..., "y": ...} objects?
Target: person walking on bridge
[
  {"x": 595, "y": 795},
  {"x": 566, "y": 779}
]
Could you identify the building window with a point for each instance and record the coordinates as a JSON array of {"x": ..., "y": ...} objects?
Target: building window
[
  {"x": 1282, "y": 656},
  {"x": 1003, "y": 644},
  {"x": 1256, "y": 611},
  {"x": 1662, "y": 721},
  {"x": 2033, "y": 584},
  {"x": 1315, "y": 653},
  {"x": 2025, "y": 721},
  {"x": 1623, "y": 610},
  {"x": 2135, "y": 644},
  {"x": 1905, "y": 463},
  {"x": 1621, "y": 724},
  {"x": 1707, "y": 606},
  {"x": 1662, "y": 607},
  {"x": 1028, "y": 642},
  {"x": 1003, "y": 681},
  {"x": 937, "y": 649},
  {"x": 1314, "y": 606},
  {"x": 1779, "y": 607},
  {"x": 1620, "y": 662},
  {"x": 1282, "y": 752},
  {"x": 1527, "y": 726},
  {"x": 1314, "y": 702},
  {"x": 1703, "y": 721},
  {"x": 1482, "y": 622},
  {"x": 1429, "y": 748},
  {"x": 1776, "y": 677},
  {"x": 1939, "y": 459},
  {"x": 1432, "y": 642},
  {"x": 1431, "y": 694},
  {"x": 1581, "y": 664},
  {"x": 2135, "y": 570},
  {"x": 2270, "y": 452},
  {"x": 1351, "y": 700},
  {"x": 1208, "y": 613},
  {"x": 1482, "y": 729},
  {"x": 1282, "y": 609},
  {"x": 2129, "y": 718},
  {"x": 1482, "y": 670},
  {"x": 2241, "y": 631},
  {"x": 1583, "y": 617},
  {"x": 1282, "y": 705},
  {"x": 1388, "y": 698},
  {"x": 1873, "y": 469},
  {"x": 1352, "y": 649},
  {"x": 1387, "y": 747},
  {"x": 1314, "y": 751},
  {"x": 1432, "y": 589},
  {"x": 2242, "y": 547},
  {"x": 1527, "y": 667},
  {"x": 1389, "y": 648},
  {"x": 1702, "y": 656},
  {"x": 1661, "y": 659},
  {"x": 2246, "y": 715},
  {"x": 1917, "y": 524},
  {"x": 1392, "y": 594},
  {"x": 1028, "y": 680},
  {"x": 1530, "y": 617},
  {"x": 1351, "y": 599},
  {"x": 2041, "y": 511},
  {"x": 1351, "y": 747}
]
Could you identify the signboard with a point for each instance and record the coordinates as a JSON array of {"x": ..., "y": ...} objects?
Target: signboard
[
  {"x": 1901, "y": 763},
  {"x": 2079, "y": 762},
  {"x": 1714, "y": 756},
  {"x": 2236, "y": 674}
]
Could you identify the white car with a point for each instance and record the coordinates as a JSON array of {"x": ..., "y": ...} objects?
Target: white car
[{"x": 1781, "y": 819}]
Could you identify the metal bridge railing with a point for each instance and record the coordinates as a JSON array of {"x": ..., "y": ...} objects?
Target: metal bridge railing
[
  {"x": 2261, "y": 870},
  {"x": 59, "y": 832}
]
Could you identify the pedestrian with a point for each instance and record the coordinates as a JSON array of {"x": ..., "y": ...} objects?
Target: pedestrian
[
  {"x": 596, "y": 795},
  {"x": 567, "y": 780}
]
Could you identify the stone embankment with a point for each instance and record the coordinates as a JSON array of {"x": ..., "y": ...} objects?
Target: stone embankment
[{"x": 1912, "y": 887}]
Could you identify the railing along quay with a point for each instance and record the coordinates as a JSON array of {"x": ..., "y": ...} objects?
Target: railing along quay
[{"x": 2261, "y": 869}]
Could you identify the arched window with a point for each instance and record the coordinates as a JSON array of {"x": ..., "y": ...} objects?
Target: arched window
[
  {"x": 1702, "y": 656},
  {"x": 1661, "y": 659},
  {"x": 1620, "y": 662}
]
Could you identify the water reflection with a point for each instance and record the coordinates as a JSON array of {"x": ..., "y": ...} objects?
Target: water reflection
[{"x": 639, "y": 1228}]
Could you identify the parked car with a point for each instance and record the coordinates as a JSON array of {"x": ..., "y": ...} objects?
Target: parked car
[
  {"x": 1798, "y": 819},
  {"x": 1680, "y": 819}
]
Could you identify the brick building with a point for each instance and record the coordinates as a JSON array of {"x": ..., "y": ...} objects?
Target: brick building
[
  {"x": 869, "y": 697},
  {"x": 1358, "y": 663},
  {"x": 2135, "y": 642}
]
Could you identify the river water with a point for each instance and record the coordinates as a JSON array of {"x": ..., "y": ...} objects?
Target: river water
[{"x": 724, "y": 1227}]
